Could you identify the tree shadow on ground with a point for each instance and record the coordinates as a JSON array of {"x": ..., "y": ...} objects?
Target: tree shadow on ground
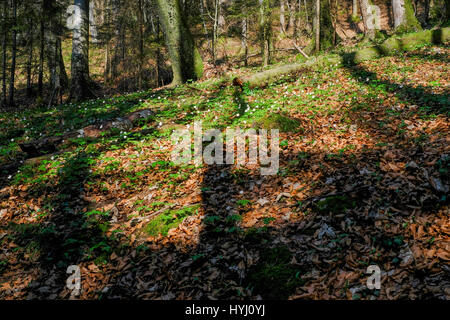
[{"x": 317, "y": 245}]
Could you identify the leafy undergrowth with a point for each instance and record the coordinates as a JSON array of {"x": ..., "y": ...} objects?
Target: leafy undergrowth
[{"x": 364, "y": 179}]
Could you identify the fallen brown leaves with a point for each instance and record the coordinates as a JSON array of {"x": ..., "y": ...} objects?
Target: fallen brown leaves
[{"x": 337, "y": 209}]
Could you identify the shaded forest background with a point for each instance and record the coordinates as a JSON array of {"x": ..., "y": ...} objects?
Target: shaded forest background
[{"x": 127, "y": 50}]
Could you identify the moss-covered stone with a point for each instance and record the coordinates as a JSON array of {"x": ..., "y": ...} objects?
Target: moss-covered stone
[{"x": 277, "y": 121}]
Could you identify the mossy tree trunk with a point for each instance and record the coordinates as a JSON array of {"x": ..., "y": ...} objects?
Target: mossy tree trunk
[
  {"x": 80, "y": 82},
  {"x": 390, "y": 46},
  {"x": 185, "y": 58},
  {"x": 323, "y": 26},
  {"x": 404, "y": 17},
  {"x": 265, "y": 30},
  {"x": 369, "y": 18}
]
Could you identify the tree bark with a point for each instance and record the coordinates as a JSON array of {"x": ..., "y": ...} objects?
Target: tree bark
[
  {"x": 323, "y": 27},
  {"x": 404, "y": 17},
  {"x": 185, "y": 58},
  {"x": 215, "y": 30},
  {"x": 426, "y": 11},
  {"x": 141, "y": 44},
  {"x": 355, "y": 9},
  {"x": 80, "y": 82},
  {"x": 265, "y": 30},
  {"x": 317, "y": 26},
  {"x": 368, "y": 18},
  {"x": 13, "y": 55},
  {"x": 30, "y": 58},
  {"x": 41, "y": 52},
  {"x": 282, "y": 16},
  {"x": 4, "y": 53}
]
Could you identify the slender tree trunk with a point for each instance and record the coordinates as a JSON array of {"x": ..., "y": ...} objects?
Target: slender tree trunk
[
  {"x": 107, "y": 68},
  {"x": 141, "y": 44},
  {"x": 53, "y": 62},
  {"x": 265, "y": 27},
  {"x": 323, "y": 28},
  {"x": 404, "y": 17},
  {"x": 80, "y": 83},
  {"x": 355, "y": 9},
  {"x": 205, "y": 29},
  {"x": 30, "y": 59},
  {"x": 306, "y": 16},
  {"x": 4, "y": 49},
  {"x": 186, "y": 60},
  {"x": 244, "y": 42},
  {"x": 282, "y": 16},
  {"x": 317, "y": 26},
  {"x": 295, "y": 18},
  {"x": 158, "y": 54},
  {"x": 62, "y": 67},
  {"x": 41, "y": 52},
  {"x": 447, "y": 10},
  {"x": 215, "y": 28},
  {"x": 13, "y": 55}
]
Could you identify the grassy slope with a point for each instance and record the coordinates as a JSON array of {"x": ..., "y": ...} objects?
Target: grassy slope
[{"x": 373, "y": 128}]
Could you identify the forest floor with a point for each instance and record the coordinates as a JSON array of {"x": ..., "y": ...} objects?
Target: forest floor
[{"x": 363, "y": 180}]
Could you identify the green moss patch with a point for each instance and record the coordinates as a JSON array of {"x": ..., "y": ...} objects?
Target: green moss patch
[
  {"x": 274, "y": 277},
  {"x": 277, "y": 121},
  {"x": 169, "y": 219}
]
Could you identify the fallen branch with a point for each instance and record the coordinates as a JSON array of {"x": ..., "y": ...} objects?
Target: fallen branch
[
  {"x": 197, "y": 89},
  {"x": 300, "y": 50}
]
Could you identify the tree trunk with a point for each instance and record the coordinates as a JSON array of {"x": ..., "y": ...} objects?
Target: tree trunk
[
  {"x": 355, "y": 10},
  {"x": 295, "y": 19},
  {"x": 93, "y": 31},
  {"x": 317, "y": 26},
  {"x": 447, "y": 10},
  {"x": 426, "y": 11},
  {"x": 13, "y": 55},
  {"x": 368, "y": 18},
  {"x": 265, "y": 29},
  {"x": 141, "y": 44},
  {"x": 185, "y": 58},
  {"x": 404, "y": 17},
  {"x": 391, "y": 46},
  {"x": 322, "y": 27},
  {"x": 41, "y": 52},
  {"x": 158, "y": 54},
  {"x": 30, "y": 58},
  {"x": 107, "y": 68},
  {"x": 79, "y": 89},
  {"x": 282, "y": 16},
  {"x": 54, "y": 63},
  {"x": 215, "y": 30},
  {"x": 244, "y": 39},
  {"x": 4, "y": 49}
]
